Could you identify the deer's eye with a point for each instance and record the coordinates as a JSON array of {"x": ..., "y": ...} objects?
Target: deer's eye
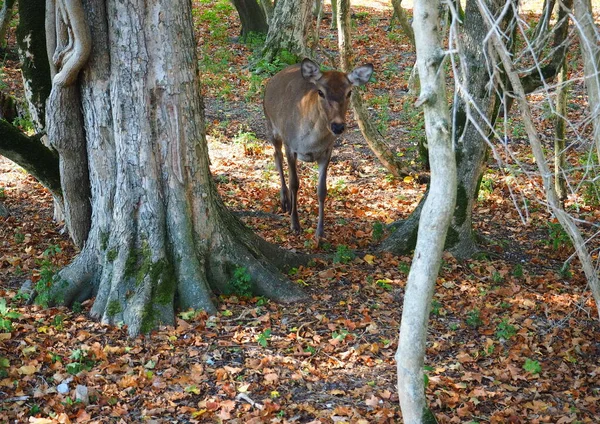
[
  {"x": 349, "y": 93},
  {"x": 320, "y": 93}
]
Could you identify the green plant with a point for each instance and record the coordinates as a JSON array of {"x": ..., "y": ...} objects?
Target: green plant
[
  {"x": 518, "y": 271},
  {"x": 378, "y": 230},
  {"x": 251, "y": 144},
  {"x": 565, "y": 271},
  {"x": 58, "y": 321},
  {"x": 497, "y": 277},
  {"x": 48, "y": 276},
  {"x": 591, "y": 193},
  {"x": 436, "y": 307},
  {"x": 404, "y": 268},
  {"x": 19, "y": 236},
  {"x": 283, "y": 59},
  {"x": 340, "y": 335},
  {"x": 263, "y": 338},
  {"x": 557, "y": 237},
  {"x": 384, "y": 284},
  {"x": 343, "y": 254},
  {"x": 532, "y": 366},
  {"x": 474, "y": 318},
  {"x": 6, "y": 316},
  {"x": 486, "y": 188},
  {"x": 241, "y": 282},
  {"x": 505, "y": 331},
  {"x": 82, "y": 360}
]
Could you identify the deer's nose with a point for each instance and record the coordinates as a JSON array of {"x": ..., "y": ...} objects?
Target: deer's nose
[{"x": 337, "y": 128}]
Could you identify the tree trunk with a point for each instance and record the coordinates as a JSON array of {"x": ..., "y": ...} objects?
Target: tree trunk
[
  {"x": 160, "y": 237},
  {"x": 565, "y": 220},
  {"x": 471, "y": 129},
  {"x": 267, "y": 7},
  {"x": 376, "y": 142},
  {"x": 403, "y": 19},
  {"x": 435, "y": 217},
  {"x": 69, "y": 35},
  {"x": 35, "y": 68},
  {"x": 6, "y": 14},
  {"x": 252, "y": 17},
  {"x": 588, "y": 41},
  {"x": 560, "y": 160},
  {"x": 288, "y": 29},
  {"x": 31, "y": 154}
]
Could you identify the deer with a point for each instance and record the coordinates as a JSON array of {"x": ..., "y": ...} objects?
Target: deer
[{"x": 305, "y": 110}]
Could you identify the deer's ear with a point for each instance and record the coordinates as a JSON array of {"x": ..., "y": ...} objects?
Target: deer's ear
[
  {"x": 361, "y": 75},
  {"x": 310, "y": 70}
]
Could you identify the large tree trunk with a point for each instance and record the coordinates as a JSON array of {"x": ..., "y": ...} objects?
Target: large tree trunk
[
  {"x": 470, "y": 130},
  {"x": 288, "y": 29},
  {"x": 160, "y": 237},
  {"x": 252, "y": 17},
  {"x": 435, "y": 216}
]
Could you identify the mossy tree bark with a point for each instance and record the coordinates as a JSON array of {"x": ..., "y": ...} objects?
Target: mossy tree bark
[
  {"x": 160, "y": 237},
  {"x": 471, "y": 116},
  {"x": 288, "y": 29}
]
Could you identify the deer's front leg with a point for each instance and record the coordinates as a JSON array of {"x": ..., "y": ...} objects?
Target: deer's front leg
[
  {"x": 284, "y": 195},
  {"x": 294, "y": 186},
  {"x": 322, "y": 194}
]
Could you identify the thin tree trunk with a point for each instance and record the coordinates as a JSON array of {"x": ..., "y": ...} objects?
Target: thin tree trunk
[
  {"x": 560, "y": 161},
  {"x": 588, "y": 41},
  {"x": 6, "y": 14},
  {"x": 376, "y": 142},
  {"x": 541, "y": 30},
  {"x": 35, "y": 67},
  {"x": 565, "y": 220},
  {"x": 403, "y": 20},
  {"x": 435, "y": 217}
]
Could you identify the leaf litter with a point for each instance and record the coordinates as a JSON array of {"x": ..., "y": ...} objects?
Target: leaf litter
[{"x": 512, "y": 338}]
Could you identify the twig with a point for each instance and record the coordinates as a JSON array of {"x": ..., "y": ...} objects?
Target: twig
[{"x": 15, "y": 399}]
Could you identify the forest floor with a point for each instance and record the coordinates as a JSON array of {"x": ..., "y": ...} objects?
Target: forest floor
[{"x": 514, "y": 335}]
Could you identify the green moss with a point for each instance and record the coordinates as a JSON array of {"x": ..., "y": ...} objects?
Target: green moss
[
  {"x": 411, "y": 243},
  {"x": 111, "y": 255},
  {"x": 458, "y": 156},
  {"x": 114, "y": 307},
  {"x": 163, "y": 276},
  {"x": 452, "y": 238},
  {"x": 462, "y": 203},
  {"x": 104, "y": 238},
  {"x": 148, "y": 321}
]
